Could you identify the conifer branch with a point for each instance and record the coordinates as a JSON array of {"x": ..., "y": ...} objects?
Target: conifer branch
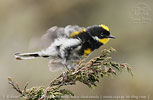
[{"x": 88, "y": 73}]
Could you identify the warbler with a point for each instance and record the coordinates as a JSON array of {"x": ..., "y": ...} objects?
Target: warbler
[{"x": 69, "y": 44}]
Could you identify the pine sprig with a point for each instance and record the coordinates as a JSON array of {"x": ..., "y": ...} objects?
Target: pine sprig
[{"x": 88, "y": 73}]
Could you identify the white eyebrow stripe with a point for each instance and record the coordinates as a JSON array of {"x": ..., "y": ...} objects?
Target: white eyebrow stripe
[{"x": 96, "y": 38}]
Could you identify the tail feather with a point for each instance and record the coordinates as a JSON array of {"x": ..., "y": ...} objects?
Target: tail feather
[{"x": 23, "y": 56}]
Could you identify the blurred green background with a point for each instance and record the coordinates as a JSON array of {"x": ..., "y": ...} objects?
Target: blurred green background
[{"x": 23, "y": 22}]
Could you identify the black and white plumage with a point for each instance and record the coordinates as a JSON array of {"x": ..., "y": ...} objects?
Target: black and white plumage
[{"x": 69, "y": 44}]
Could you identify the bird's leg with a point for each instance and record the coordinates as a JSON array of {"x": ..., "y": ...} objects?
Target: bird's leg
[
  {"x": 64, "y": 77},
  {"x": 67, "y": 67}
]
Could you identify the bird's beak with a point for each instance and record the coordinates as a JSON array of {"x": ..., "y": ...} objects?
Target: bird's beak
[{"x": 110, "y": 36}]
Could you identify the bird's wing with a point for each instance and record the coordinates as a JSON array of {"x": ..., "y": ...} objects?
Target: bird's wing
[
  {"x": 51, "y": 35},
  {"x": 57, "y": 32},
  {"x": 70, "y": 29}
]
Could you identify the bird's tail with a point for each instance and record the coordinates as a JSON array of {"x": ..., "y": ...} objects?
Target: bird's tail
[{"x": 23, "y": 56}]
